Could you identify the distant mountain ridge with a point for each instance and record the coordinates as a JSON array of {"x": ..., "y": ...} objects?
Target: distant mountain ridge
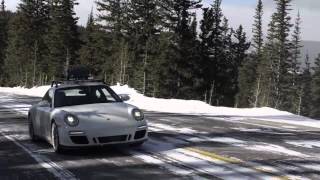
[{"x": 312, "y": 48}]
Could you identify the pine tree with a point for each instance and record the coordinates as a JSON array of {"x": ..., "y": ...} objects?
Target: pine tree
[
  {"x": 264, "y": 92},
  {"x": 282, "y": 81},
  {"x": 315, "y": 111},
  {"x": 112, "y": 14},
  {"x": 240, "y": 48},
  {"x": 182, "y": 61},
  {"x": 249, "y": 84},
  {"x": 26, "y": 45},
  {"x": 295, "y": 71},
  {"x": 94, "y": 51},
  {"x": 63, "y": 37},
  {"x": 114, "y": 17},
  {"x": 255, "y": 90},
  {"x": 216, "y": 51},
  {"x": 257, "y": 41},
  {"x": 305, "y": 93},
  {"x": 207, "y": 68},
  {"x": 3, "y": 38},
  {"x": 144, "y": 26}
]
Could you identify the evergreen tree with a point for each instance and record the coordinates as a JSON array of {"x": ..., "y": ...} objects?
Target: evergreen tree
[
  {"x": 254, "y": 92},
  {"x": 315, "y": 111},
  {"x": 182, "y": 61},
  {"x": 3, "y": 38},
  {"x": 94, "y": 50},
  {"x": 305, "y": 91},
  {"x": 207, "y": 71},
  {"x": 217, "y": 56},
  {"x": 282, "y": 67},
  {"x": 248, "y": 89},
  {"x": 239, "y": 48},
  {"x": 114, "y": 17},
  {"x": 257, "y": 41},
  {"x": 266, "y": 81},
  {"x": 26, "y": 45},
  {"x": 295, "y": 71},
  {"x": 145, "y": 21},
  {"x": 63, "y": 37}
]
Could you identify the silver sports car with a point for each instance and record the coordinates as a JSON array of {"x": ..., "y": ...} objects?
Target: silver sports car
[{"x": 85, "y": 113}]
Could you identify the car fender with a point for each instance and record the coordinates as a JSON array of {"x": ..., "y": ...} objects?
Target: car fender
[
  {"x": 58, "y": 116},
  {"x": 139, "y": 123}
]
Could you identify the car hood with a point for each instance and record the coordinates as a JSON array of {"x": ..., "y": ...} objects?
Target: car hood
[{"x": 106, "y": 109}]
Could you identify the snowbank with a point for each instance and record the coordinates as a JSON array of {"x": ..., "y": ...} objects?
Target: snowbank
[
  {"x": 36, "y": 91},
  {"x": 191, "y": 107}
]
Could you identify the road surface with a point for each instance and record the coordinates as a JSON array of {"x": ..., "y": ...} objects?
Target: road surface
[{"x": 180, "y": 147}]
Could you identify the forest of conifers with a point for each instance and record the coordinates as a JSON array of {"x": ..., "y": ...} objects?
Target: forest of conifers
[{"x": 160, "y": 48}]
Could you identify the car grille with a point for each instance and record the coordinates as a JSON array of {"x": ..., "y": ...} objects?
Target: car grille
[
  {"x": 79, "y": 139},
  {"x": 140, "y": 134},
  {"x": 110, "y": 139}
]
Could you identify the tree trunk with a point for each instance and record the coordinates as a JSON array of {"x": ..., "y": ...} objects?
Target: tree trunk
[
  {"x": 35, "y": 63},
  {"x": 211, "y": 93},
  {"x": 257, "y": 93},
  {"x": 67, "y": 64},
  {"x": 145, "y": 69}
]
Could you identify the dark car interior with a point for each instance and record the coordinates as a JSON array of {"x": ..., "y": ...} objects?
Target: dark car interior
[{"x": 84, "y": 95}]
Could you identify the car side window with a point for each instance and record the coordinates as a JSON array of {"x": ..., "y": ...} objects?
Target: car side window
[
  {"x": 108, "y": 95},
  {"x": 48, "y": 96}
]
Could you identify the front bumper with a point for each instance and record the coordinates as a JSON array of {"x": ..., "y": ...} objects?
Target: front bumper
[{"x": 100, "y": 137}]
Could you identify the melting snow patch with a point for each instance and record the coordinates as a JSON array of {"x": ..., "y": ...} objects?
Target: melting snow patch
[
  {"x": 306, "y": 144},
  {"x": 275, "y": 149},
  {"x": 172, "y": 128},
  {"x": 227, "y": 140},
  {"x": 247, "y": 130}
]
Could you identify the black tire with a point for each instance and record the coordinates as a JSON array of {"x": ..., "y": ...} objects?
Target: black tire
[
  {"x": 55, "y": 139},
  {"x": 33, "y": 137}
]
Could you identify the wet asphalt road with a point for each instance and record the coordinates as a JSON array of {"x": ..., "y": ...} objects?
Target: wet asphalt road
[{"x": 180, "y": 147}]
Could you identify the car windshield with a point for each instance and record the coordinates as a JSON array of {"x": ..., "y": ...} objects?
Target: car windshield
[{"x": 73, "y": 96}]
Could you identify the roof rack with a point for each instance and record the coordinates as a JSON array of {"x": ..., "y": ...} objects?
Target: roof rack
[{"x": 74, "y": 82}]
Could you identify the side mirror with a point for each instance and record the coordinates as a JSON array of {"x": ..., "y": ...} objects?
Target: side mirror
[
  {"x": 44, "y": 104},
  {"x": 124, "y": 97}
]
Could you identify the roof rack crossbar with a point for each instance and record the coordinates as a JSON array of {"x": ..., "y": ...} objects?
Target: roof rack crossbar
[
  {"x": 76, "y": 81},
  {"x": 71, "y": 82}
]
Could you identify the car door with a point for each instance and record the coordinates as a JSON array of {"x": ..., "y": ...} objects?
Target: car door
[
  {"x": 44, "y": 112},
  {"x": 37, "y": 114}
]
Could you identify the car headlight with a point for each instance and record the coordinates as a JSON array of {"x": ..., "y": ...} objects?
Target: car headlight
[
  {"x": 71, "y": 120},
  {"x": 137, "y": 114}
]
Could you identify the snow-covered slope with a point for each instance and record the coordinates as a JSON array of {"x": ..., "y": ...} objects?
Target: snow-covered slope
[{"x": 192, "y": 107}]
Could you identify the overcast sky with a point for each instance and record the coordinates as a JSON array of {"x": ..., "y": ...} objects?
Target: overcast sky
[{"x": 237, "y": 11}]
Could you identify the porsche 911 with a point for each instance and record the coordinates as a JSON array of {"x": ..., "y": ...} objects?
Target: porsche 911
[{"x": 77, "y": 114}]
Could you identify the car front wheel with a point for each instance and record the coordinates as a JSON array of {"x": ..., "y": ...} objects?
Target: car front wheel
[
  {"x": 55, "y": 138},
  {"x": 33, "y": 137}
]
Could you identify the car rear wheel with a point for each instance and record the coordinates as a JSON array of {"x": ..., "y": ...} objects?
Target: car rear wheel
[
  {"x": 33, "y": 137},
  {"x": 55, "y": 139}
]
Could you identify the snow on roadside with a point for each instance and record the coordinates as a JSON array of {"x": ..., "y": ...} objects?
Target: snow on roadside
[
  {"x": 192, "y": 107},
  {"x": 306, "y": 144},
  {"x": 36, "y": 91}
]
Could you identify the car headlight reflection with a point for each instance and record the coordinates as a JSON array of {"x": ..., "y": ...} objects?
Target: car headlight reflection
[
  {"x": 71, "y": 120},
  {"x": 137, "y": 114}
]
